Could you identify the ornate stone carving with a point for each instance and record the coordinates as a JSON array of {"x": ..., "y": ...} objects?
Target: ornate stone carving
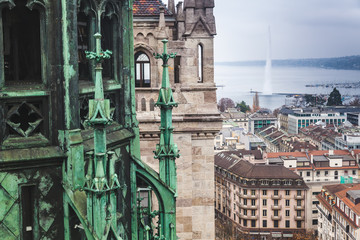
[{"x": 24, "y": 119}]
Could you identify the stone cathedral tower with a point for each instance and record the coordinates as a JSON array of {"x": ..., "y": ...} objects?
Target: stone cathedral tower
[{"x": 189, "y": 28}]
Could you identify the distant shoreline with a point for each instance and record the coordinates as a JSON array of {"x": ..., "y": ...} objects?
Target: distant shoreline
[{"x": 340, "y": 63}]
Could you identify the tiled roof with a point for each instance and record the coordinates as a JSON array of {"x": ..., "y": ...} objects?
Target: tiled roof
[
  {"x": 314, "y": 153},
  {"x": 293, "y": 154},
  {"x": 149, "y": 8},
  {"x": 245, "y": 169},
  {"x": 350, "y": 204}
]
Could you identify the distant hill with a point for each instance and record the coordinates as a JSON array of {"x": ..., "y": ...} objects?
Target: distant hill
[{"x": 345, "y": 63}]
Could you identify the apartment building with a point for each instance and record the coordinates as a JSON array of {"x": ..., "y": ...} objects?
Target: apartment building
[
  {"x": 318, "y": 168},
  {"x": 261, "y": 119},
  {"x": 264, "y": 201},
  {"x": 301, "y": 119},
  {"x": 339, "y": 212},
  {"x": 353, "y": 118},
  {"x": 350, "y": 139}
]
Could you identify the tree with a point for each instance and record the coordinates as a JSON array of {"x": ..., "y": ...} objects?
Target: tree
[
  {"x": 355, "y": 102},
  {"x": 225, "y": 103},
  {"x": 243, "y": 107},
  {"x": 314, "y": 100},
  {"x": 334, "y": 98}
]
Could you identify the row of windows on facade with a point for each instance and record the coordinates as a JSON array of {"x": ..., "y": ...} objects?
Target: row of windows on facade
[
  {"x": 260, "y": 181},
  {"x": 326, "y": 173},
  {"x": 143, "y": 105},
  {"x": 244, "y": 222},
  {"x": 275, "y": 202},
  {"x": 24, "y": 36},
  {"x": 23, "y": 39}
]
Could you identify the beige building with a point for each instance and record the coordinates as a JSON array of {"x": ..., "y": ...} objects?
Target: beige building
[
  {"x": 190, "y": 30},
  {"x": 339, "y": 212},
  {"x": 263, "y": 201},
  {"x": 318, "y": 168}
]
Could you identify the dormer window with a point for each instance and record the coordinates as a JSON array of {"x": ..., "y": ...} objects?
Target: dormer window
[
  {"x": 287, "y": 182},
  {"x": 264, "y": 182}
]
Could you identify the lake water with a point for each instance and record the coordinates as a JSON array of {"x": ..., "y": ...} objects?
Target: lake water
[{"x": 236, "y": 82}]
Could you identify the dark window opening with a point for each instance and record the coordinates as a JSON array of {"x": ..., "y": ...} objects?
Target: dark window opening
[
  {"x": 83, "y": 24},
  {"x": 21, "y": 35},
  {"x": 142, "y": 70},
  {"x": 276, "y": 223},
  {"x": 152, "y": 104},
  {"x": 298, "y": 224},
  {"x": 27, "y": 211},
  {"x": 107, "y": 43},
  {"x": 143, "y": 104},
  {"x": 177, "y": 69}
]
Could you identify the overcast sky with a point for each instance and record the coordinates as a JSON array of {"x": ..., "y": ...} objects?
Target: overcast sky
[{"x": 299, "y": 28}]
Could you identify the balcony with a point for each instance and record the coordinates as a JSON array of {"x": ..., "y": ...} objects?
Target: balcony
[
  {"x": 250, "y": 206},
  {"x": 253, "y": 196},
  {"x": 299, "y": 197},
  {"x": 278, "y": 207},
  {"x": 247, "y": 217},
  {"x": 276, "y": 218},
  {"x": 301, "y": 207},
  {"x": 299, "y": 218},
  {"x": 276, "y": 196}
]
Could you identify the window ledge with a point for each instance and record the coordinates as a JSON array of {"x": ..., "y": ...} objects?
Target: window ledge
[
  {"x": 13, "y": 92},
  {"x": 13, "y": 142}
]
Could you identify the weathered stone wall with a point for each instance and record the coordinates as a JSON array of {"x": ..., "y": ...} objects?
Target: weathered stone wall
[{"x": 196, "y": 120}]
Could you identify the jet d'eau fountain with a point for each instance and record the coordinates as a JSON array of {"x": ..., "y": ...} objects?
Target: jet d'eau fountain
[{"x": 267, "y": 90}]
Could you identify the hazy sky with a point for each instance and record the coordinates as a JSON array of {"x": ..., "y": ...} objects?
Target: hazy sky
[{"x": 299, "y": 28}]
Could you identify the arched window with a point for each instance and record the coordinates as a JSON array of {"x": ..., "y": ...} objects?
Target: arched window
[
  {"x": 143, "y": 104},
  {"x": 142, "y": 70},
  {"x": 21, "y": 44},
  {"x": 152, "y": 104},
  {"x": 200, "y": 63}
]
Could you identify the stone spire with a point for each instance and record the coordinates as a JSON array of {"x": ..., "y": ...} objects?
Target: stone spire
[
  {"x": 162, "y": 29},
  {"x": 101, "y": 180},
  {"x": 166, "y": 151},
  {"x": 171, "y": 6}
]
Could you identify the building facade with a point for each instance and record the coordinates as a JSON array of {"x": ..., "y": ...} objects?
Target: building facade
[
  {"x": 339, "y": 212},
  {"x": 259, "y": 203},
  {"x": 189, "y": 28},
  {"x": 318, "y": 168},
  {"x": 298, "y": 120},
  {"x": 260, "y": 119}
]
